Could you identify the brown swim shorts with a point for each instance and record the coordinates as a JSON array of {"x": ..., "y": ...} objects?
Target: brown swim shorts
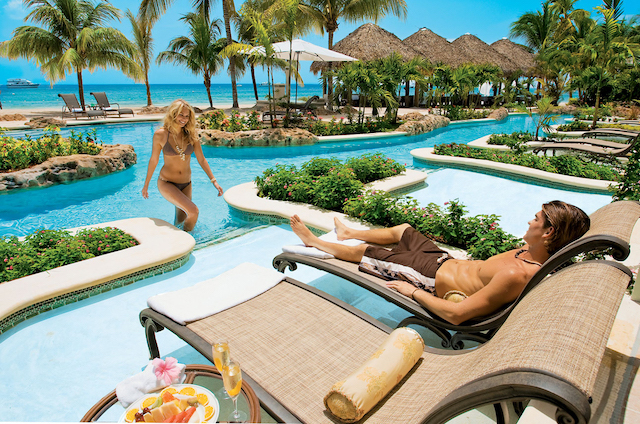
[{"x": 415, "y": 259}]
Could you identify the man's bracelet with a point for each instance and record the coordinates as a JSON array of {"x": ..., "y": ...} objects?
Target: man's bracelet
[{"x": 413, "y": 294}]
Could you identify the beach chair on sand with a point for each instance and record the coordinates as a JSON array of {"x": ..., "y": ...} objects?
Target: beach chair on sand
[
  {"x": 104, "y": 105},
  {"x": 294, "y": 342},
  {"x": 611, "y": 228},
  {"x": 72, "y": 105}
]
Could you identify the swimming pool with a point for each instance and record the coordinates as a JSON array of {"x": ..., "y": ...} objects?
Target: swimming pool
[
  {"x": 76, "y": 354},
  {"x": 117, "y": 196}
]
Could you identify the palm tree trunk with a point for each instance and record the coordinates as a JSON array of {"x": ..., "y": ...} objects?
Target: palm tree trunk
[
  {"x": 330, "y": 80},
  {"x": 253, "y": 79},
  {"x": 226, "y": 6},
  {"x": 207, "y": 84},
  {"x": 597, "y": 106},
  {"x": 80, "y": 88},
  {"x": 146, "y": 82}
]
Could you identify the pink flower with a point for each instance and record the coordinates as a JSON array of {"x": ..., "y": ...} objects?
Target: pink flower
[
  {"x": 99, "y": 249},
  {"x": 167, "y": 369}
]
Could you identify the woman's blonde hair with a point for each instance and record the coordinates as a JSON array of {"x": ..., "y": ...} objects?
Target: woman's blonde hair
[{"x": 170, "y": 124}]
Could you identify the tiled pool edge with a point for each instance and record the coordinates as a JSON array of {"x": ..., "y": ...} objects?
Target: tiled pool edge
[
  {"x": 162, "y": 248},
  {"x": 75, "y": 296},
  {"x": 426, "y": 155}
]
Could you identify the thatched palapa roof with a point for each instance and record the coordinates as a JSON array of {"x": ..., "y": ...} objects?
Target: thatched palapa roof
[
  {"x": 480, "y": 52},
  {"x": 436, "y": 48},
  {"x": 369, "y": 42},
  {"x": 521, "y": 57}
]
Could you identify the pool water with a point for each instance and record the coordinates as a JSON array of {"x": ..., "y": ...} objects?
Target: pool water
[
  {"x": 117, "y": 196},
  {"x": 57, "y": 365}
]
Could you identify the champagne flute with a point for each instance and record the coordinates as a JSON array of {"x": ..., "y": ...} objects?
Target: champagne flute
[
  {"x": 232, "y": 378},
  {"x": 221, "y": 358}
]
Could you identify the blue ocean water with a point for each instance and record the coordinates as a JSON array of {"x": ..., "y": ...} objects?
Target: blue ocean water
[{"x": 46, "y": 96}]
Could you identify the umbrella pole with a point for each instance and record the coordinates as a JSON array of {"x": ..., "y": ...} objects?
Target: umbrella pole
[{"x": 297, "y": 74}]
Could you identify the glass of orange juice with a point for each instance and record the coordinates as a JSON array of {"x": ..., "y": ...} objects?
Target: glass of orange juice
[
  {"x": 232, "y": 379},
  {"x": 221, "y": 358}
]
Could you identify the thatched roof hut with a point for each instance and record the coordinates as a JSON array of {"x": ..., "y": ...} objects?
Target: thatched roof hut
[
  {"x": 480, "y": 52},
  {"x": 521, "y": 57},
  {"x": 436, "y": 48},
  {"x": 369, "y": 42}
]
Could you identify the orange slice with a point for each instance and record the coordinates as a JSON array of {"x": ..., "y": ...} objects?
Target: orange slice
[
  {"x": 203, "y": 399},
  {"x": 188, "y": 391},
  {"x": 148, "y": 402},
  {"x": 208, "y": 412},
  {"x": 131, "y": 415},
  {"x": 170, "y": 390}
]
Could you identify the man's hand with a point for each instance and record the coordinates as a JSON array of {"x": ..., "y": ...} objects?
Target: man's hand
[{"x": 403, "y": 287}]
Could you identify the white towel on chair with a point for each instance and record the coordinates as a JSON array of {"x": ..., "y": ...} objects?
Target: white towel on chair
[
  {"x": 331, "y": 236},
  {"x": 209, "y": 297}
]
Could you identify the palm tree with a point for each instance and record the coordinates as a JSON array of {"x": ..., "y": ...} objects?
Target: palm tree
[
  {"x": 544, "y": 117},
  {"x": 606, "y": 49},
  {"x": 260, "y": 49},
  {"x": 200, "y": 53},
  {"x": 73, "y": 38},
  {"x": 141, "y": 26},
  {"x": 328, "y": 13},
  {"x": 537, "y": 28},
  {"x": 155, "y": 8}
]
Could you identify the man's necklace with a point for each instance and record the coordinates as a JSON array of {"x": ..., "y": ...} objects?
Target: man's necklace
[{"x": 519, "y": 252}]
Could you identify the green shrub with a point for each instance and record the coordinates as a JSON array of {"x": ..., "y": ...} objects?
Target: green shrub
[
  {"x": 574, "y": 126},
  {"x": 514, "y": 141},
  {"x": 371, "y": 167},
  {"x": 577, "y": 166},
  {"x": 324, "y": 182},
  {"x": 21, "y": 153},
  {"x": 47, "y": 249},
  {"x": 481, "y": 235},
  {"x": 457, "y": 113},
  {"x": 212, "y": 120}
]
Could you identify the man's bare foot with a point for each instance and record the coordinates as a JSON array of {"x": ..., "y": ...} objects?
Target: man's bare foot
[
  {"x": 341, "y": 229},
  {"x": 302, "y": 231}
]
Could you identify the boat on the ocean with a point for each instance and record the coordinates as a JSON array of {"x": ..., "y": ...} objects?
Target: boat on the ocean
[{"x": 21, "y": 83}]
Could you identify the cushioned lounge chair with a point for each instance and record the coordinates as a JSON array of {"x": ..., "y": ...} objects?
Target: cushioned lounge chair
[
  {"x": 611, "y": 228},
  {"x": 107, "y": 107},
  {"x": 294, "y": 342},
  {"x": 72, "y": 105}
]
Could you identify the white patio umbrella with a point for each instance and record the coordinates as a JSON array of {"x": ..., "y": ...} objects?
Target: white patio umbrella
[{"x": 303, "y": 50}]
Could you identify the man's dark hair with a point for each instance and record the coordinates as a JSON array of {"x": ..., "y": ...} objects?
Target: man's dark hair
[{"x": 568, "y": 221}]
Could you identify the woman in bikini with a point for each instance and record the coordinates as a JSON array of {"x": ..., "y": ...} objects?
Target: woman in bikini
[{"x": 177, "y": 140}]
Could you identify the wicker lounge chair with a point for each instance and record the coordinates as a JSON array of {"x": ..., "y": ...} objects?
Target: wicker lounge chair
[
  {"x": 611, "y": 228},
  {"x": 592, "y": 145},
  {"x": 104, "y": 105},
  {"x": 295, "y": 342},
  {"x": 72, "y": 105}
]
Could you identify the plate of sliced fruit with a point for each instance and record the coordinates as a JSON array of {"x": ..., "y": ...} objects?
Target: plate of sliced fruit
[{"x": 178, "y": 403}]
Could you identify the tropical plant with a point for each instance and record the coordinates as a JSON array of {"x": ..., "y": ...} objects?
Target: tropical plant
[
  {"x": 544, "y": 115},
  {"x": 200, "y": 52},
  {"x": 73, "y": 37},
  {"x": 395, "y": 71},
  {"x": 328, "y": 13},
  {"x": 606, "y": 49},
  {"x": 141, "y": 26}
]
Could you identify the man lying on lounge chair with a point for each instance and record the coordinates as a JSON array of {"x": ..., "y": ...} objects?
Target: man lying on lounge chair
[{"x": 419, "y": 269}]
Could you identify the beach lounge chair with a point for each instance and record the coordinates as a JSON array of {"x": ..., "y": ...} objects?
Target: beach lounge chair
[
  {"x": 294, "y": 342},
  {"x": 306, "y": 106},
  {"x": 611, "y": 132},
  {"x": 611, "y": 228},
  {"x": 104, "y": 105},
  {"x": 72, "y": 105}
]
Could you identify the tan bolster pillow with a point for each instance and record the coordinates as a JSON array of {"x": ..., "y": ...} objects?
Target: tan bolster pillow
[{"x": 350, "y": 399}]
